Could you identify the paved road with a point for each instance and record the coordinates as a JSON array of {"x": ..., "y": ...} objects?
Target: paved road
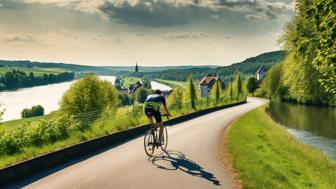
[{"x": 192, "y": 160}]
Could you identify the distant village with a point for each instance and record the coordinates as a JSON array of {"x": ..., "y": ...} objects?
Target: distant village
[{"x": 205, "y": 85}]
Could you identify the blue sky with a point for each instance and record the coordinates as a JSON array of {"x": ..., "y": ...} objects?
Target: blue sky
[{"x": 151, "y": 32}]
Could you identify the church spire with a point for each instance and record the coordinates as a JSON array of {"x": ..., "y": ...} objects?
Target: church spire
[{"x": 136, "y": 68}]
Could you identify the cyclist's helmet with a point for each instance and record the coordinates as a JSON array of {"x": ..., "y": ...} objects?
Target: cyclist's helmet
[{"x": 157, "y": 91}]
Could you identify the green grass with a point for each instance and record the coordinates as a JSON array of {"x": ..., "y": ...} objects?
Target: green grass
[
  {"x": 266, "y": 156},
  {"x": 32, "y": 120},
  {"x": 36, "y": 71},
  {"x": 171, "y": 83}
]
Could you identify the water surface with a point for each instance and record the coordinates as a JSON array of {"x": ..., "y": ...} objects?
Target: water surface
[{"x": 312, "y": 125}]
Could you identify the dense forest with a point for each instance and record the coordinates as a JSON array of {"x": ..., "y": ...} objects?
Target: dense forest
[
  {"x": 308, "y": 74},
  {"x": 227, "y": 73},
  {"x": 16, "y": 79}
]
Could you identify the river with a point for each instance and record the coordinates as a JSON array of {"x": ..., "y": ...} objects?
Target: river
[
  {"x": 47, "y": 96},
  {"x": 312, "y": 125}
]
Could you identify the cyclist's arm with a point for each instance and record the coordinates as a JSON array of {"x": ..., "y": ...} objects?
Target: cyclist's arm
[
  {"x": 165, "y": 106},
  {"x": 166, "y": 110}
]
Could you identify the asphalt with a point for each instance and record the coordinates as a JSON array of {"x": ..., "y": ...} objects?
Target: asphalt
[{"x": 191, "y": 161}]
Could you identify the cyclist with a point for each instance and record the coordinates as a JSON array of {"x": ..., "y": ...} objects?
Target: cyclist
[{"x": 152, "y": 109}]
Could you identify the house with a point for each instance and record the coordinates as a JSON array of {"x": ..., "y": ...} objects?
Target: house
[
  {"x": 133, "y": 87},
  {"x": 261, "y": 72},
  {"x": 207, "y": 83}
]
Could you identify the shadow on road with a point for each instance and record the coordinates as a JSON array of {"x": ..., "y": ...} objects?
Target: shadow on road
[{"x": 175, "y": 160}]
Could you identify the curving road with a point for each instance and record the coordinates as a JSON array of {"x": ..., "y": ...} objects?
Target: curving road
[{"x": 192, "y": 161}]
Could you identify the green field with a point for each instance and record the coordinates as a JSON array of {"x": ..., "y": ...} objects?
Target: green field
[
  {"x": 127, "y": 81},
  {"x": 266, "y": 156},
  {"x": 36, "y": 71}
]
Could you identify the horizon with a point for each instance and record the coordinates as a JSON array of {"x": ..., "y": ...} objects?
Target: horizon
[
  {"x": 153, "y": 33},
  {"x": 155, "y": 66}
]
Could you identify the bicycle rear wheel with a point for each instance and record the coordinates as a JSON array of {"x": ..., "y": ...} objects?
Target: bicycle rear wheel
[
  {"x": 149, "y": 143},
  {"x": 165, "y": 139}
]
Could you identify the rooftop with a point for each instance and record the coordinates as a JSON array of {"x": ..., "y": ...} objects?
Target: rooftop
[{"x": 208, "y": 79}]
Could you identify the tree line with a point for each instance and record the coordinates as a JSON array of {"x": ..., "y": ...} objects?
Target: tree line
[
  {"x": 308, "y": 74},
  {"x": 17, "y": 79}
]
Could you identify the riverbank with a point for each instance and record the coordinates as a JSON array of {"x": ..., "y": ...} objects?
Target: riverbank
[
  {"x": 171, "y": 83},
  {"x": 265, "y": 155}
]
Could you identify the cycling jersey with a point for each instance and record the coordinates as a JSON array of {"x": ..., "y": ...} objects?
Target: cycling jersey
[
  {"x": 154, "y": 101},
  {"x": 152, "y": 106}
]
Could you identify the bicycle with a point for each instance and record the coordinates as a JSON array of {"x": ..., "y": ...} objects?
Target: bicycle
[{"x": 151, "y": 139}]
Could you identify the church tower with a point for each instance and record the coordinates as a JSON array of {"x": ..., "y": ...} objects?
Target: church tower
[{"x": 136, "y": 68}]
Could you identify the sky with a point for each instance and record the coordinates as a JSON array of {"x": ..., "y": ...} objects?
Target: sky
[{"x": 150, "y": 32}]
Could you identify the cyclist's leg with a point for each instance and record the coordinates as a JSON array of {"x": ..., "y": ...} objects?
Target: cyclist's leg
[
  {"x": 149, "y": 113},
  {"x": 158, "y": 119}
]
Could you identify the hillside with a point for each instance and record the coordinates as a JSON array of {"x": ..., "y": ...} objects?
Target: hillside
[
  {"x": 246, "y": 67},
  {"x": 101, "y": 70}
]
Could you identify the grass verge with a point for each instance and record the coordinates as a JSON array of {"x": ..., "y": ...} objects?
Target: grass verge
[{"x": 266, "y": 156}]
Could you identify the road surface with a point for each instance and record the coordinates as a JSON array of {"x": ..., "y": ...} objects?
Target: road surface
[{"x": 192, "y": 162}]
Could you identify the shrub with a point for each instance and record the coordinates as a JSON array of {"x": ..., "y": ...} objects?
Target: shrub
[
  {"x": 89, "y": 94},
  {"x": 32, "y": 112},
  {"x": 141, "y": 94}
]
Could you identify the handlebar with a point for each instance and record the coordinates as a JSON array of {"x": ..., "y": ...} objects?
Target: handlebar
[{"x": 166, "y": 116}]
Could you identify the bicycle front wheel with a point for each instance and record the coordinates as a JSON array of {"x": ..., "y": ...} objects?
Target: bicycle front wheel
[
  {"x": 149, "y": 143},
  {"x": 164, "y": 143}
]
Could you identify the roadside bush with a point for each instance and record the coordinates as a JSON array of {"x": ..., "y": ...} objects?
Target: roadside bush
[
  {"x": 141, "y": 94},
  {"x": 32, "y": 112},
  {"x": 125, "y": 99},
  {"x": 90, "y": 94},
  {"x": 175, "y": 98}
]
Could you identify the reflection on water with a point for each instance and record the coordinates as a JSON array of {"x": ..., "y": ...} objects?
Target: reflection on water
[{"x": 312, "y": 125}]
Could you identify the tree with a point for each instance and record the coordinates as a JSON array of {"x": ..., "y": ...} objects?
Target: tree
[
  {"x": 176, "y": 97},
  {"x": 89, "y": 94},
  {"x": 125, "y": 99},
  {"x": 118, "y": 83},
  {"x": 237, "y": 85},
  {"x": 141, "y": 94},
  {"x": 191, "y": 94},
  {"x": 310, "y": 40},
  {"x": 146, "y": 83},
  {"x": 32, "y": 112},
  {"x": 216, "y": 91},
  {"x": 252, "y": 85}
]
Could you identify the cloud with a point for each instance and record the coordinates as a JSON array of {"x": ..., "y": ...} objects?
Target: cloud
[
  {"x": 166, "y": 13},
  {"x": 258, "y": 9},
  {"x": 184, "y": 35},
  {"x": 154, "y": 13},
  {"x": 1, "y": 5},
  {"x": 19, "y": 38},
  {"x": 81, "y": 5}
]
